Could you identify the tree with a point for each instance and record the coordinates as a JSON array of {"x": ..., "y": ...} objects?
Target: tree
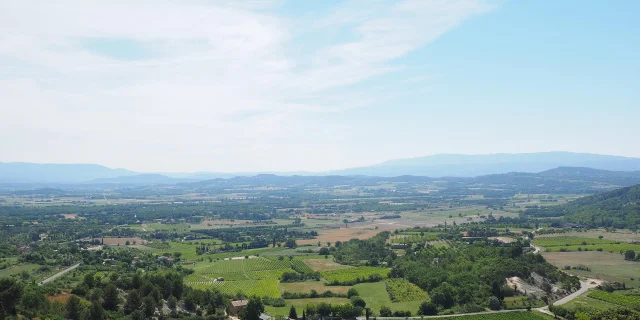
[
  {"x": 443, "y": 295},
  {"x": 253, "y": 310},
  {"x": 304, "y": 316},
  {"x": 96, "y": 312},
  {"x": 427, "y": 308},
  {"x": 148, "y": 306},
  {"x": 74, "y": 307},
  {"x": 10, "y": 293},
  {"x": 172, "y": 303},
  {"x": 133, "y": 302},
  {"x": 385, "y": 311},
  {"x": 33, "y": 303},
  {"x": 356, "y": 301},
  {"x": 352, "y": 292},
  {"x": 290, "y": 243},
  {"x": 89, "y": 280},
  {"x": 292, "y": 313},
  {"x": 629, "y": 255},
  {"x": 111, "y": 298},
  {"x": 494, "y": 303}
]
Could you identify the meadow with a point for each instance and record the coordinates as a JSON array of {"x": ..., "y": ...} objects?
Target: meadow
[
  {"x": 603, "y": 265},
  {"x": 354, "y": 275}
]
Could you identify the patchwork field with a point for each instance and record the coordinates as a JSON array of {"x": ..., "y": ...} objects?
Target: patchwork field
[
  {"x": 256, "y": 276},
  {"x": 375, "y": 295}
]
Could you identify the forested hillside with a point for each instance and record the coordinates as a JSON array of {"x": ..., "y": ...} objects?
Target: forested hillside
[{"x": 618, "y": 208}]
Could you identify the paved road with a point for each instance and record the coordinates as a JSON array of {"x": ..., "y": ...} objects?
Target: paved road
[
  {"x": 584, "y": 287},
  {"x": 59, "y": 274},
  {"x": 448, "y": 315}
]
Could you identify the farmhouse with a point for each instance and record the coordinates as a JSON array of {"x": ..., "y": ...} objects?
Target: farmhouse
[{"x": 237, "y": 305}]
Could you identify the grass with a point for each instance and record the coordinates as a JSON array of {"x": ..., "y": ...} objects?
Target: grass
[
  {"x": 17, "y": 269},
  {"x": 355, "y": 274},
  {"x": 584, "y": 302},
  {"x": 307, "y": 286},
  {"x": 604, "y": 265},
  {"x": 300, "y": 304},
  {"x": 521, "y": 302},
  {"x": 375, "y": 295}
]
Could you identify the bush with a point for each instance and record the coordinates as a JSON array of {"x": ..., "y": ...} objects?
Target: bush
[
  {"x": 427, "y": 308},
  {"x": 494, "y": 303},
  {"x": 385, "y": 311},
  {"x": 352, "y": 292}
]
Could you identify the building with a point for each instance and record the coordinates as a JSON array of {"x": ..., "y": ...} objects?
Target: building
[{"x": 237, "y": 305}]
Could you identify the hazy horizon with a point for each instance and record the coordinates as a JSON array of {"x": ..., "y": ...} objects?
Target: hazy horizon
[{"x": 289, "y": 86}]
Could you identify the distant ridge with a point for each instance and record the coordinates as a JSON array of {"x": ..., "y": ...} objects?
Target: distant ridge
[
  {"x": 457, "y": 165},
  {"x": 435, "y": 166},
  {"x": 25, "y": 172}
]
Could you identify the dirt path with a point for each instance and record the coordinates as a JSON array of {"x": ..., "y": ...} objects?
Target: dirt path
[
  {"x": 59, "y": 274},
  {"x": 584, "y": 287}
]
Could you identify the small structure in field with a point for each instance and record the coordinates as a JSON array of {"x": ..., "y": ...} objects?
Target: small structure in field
[{"x": 237, "y": 305}]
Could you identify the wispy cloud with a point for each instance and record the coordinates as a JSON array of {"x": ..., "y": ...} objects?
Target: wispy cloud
[{"x": 211, "y": 83}]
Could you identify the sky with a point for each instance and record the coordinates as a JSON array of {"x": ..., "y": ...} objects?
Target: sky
[{"x": 248, "y": 86}]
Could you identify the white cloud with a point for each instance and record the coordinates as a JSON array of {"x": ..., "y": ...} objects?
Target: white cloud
[{"x": 217, "y": 87}]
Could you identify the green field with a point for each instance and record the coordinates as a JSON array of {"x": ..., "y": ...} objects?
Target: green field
[
  {"x": 375, "y": 295},
  {"x": 562, "y": 241},
  {"x": 300, "y": 304},
  {"x": 354, "y": 275},
  {"x": 17, "y": 269},
  {"x": 255, "y": 276},
  {"x": 603, "y": 265},
  {"x": 615, "y": 298},
  {"x": 401, "y": 290}
]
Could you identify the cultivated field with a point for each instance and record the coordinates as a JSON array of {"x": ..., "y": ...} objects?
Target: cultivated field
[
  {"x": 604, "y": 265},
  {"x": 323, "y": 264},
  {"x": 307, "y": 286}
]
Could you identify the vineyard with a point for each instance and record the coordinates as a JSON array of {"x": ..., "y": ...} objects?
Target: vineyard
[
  {"x": 255, "y": 276},
  {"x": 351, "y": 276},
  {"x": 260, "y": 288},
  {"x": 571, "y": 241},
  {"x": 619, "y": 299},
  {"x": 520, "y": 315},
  {"x": 401, "y": 290},
  {"x": 612, "y": 247},
  {"x": 415, "y": 237}
]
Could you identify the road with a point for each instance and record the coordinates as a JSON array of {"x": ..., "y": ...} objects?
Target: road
[
  {"x": 448, "y": 315},
  {"x": 59, "y": 274},
  {"x": 584, "y": 287}
]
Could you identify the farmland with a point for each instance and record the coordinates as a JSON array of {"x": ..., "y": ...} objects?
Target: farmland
[
  {"x": 601, "y": 265},
  {"x": 571, "y": 241},
  {"x": 376, "y": 296},
  {"x": 349, "y": 276},
  {"x": 619, "y": 299},
  {"x": 307, "y": 286},
  {"x": 401, "y": 290}
]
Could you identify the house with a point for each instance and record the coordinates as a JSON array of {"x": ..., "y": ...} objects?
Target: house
[{"x": 237, "y": 305}]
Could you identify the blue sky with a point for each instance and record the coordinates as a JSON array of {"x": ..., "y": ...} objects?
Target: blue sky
[{"x": 314, "y": 85}]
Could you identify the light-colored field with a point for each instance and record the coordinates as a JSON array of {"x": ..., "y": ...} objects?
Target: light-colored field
[
  {"x": 604, "y": 265},
  {"x": 342, "y": 234},
  {"x": 307, "y": 286},
  {"x": 123, "y": 241},
  {"x": 323, "y": 264}
]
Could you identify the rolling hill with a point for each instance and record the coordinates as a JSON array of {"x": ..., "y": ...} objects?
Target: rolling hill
[{"x": 619, "y": 208}]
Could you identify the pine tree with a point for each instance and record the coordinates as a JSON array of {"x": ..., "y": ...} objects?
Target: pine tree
[
  {"x": 74, "y": 308},
  {"x": 133, "y": 302},
  {"x": 111, "y": 299},
  {"x": 292, "y": 313},
  {"x": 96, "y": 312}
]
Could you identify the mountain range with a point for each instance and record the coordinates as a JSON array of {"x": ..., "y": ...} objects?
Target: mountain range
[{"x": 443, "y": 165}]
